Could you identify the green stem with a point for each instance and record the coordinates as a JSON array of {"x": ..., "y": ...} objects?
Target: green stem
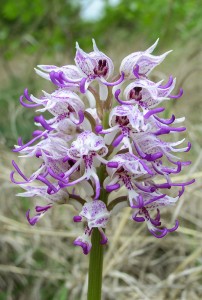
[
  {"x": 95, "y": 267},
  {"x": 96, "y": 253}
]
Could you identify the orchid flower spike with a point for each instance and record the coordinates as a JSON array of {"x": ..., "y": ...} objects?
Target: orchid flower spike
[{"x": 102, "y": 145}]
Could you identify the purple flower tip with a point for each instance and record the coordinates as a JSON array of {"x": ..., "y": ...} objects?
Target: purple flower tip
[
  {"x": 32, "y": 221},
  {"x": 98, "y": 128},
  {"x": 118, "y": 140},
  {"x": 112, "y": 164},
  {"x": 77, "y": 218},
  {"x": 136, "y": 71},
  {"x": 86, "y": 247},
  {"x": 110, "y": 188}
]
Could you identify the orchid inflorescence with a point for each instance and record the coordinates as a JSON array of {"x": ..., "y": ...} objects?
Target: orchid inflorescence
[{"x": 101, "y": 150}]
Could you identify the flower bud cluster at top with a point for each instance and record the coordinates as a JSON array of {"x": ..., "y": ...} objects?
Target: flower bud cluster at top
[{"x": 102, "y": 147}]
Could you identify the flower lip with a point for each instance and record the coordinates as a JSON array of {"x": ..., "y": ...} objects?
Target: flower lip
[
  {"x": 84, "y": 242},
  {"x": 102, "y": 68},
  {"x": 95, "y": 213}
]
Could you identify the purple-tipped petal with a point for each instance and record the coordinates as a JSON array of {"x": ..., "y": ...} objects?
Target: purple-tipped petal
[
  {"x": 84, "y": 245},
  {"x": 161, "y": 131},
  {"x": 81, "y": 117},
  {"x": 20, "y": 143},
  {"x": 162, "y": 232},
  {"x": 153, "y": 111},
  {"x": 149, "y": 171},
  {"x": 121, "y": 79},
  {"x": 104, "y": 239},
  {"x": 156, "y": 198},
  {"x": 56, "y": 176},
  {"x": 136, "y": 71},
  {"x": 152, "y": 157},
  {"x": 147, "y": 189},
  {"x": 32, "y": 221},
  {"x": 183, "y": 183},
  {"x": 27, "y": 96},
  {"x": 19, "y": 171},
  {"x": 178, "y": 95},
  {"x": 178, "y": 129},
  {"x": 17, "y": 182},
  {"x": 112, "y": 164},
  {"x": 168, "y": 84},
  {"x": 29, "y": 143},
  {"x": 165, "y": 121},
  {"x": 83, "y": 85},
  {"x": 137, "y": 219},
  {"x": 175, "y": 227},
  {"x": 40, "y": 119},
  {"x": 139, "y": 151},
  {"x": 77, "y": 218},
  {"x": 53, "y": 78},
  {"x": 48, "y": 183},
  {"x": 118, "y": 140},
  {"x": 156, "y": 221},
  {"x": 181, "y": 192},
  {"x": 98, "y": 128},
  {"x": 35, "y": 133},
  {"x": 140, "y": 202},
  {"x": 172, "y": 171},
  {"x": 188, "y": 147},
  {"x": 42, "y": 208},
  {"x": 163, "y": 186},
  {"x": 116, "y": 95},
  {"x": 26, "y": 104},
  {"x": 113, "y": 187}
]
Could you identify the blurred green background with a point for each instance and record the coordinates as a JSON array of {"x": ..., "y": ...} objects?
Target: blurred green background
[
  {"x": 39, "y": 32},
  {"x": 44, "y": 265}
]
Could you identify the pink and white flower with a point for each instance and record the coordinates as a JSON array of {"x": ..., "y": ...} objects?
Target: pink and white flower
[{"x": 97, "y": 216}]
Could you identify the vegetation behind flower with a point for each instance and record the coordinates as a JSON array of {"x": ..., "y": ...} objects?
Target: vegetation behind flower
[{"x": 172, "y": 268}]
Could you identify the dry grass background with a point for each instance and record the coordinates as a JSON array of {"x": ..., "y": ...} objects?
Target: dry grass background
[{"x": 41, "y": 263}]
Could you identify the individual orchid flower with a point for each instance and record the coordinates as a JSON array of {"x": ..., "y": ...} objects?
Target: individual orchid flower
[
  {"x": 142, "y": 213},
  {"x": 127, "y": 170},
  {"x": 123, "y": 121},
  {"x": 40, "y": 191},
  {"x": 94, "y": 64},
  {"x": 40, "y": 212},
  {"x": 150, "y": 147},
  {"x": 102, "y": 147},
  {"x": 62, "y": 104},
  {"x": 97, "y": 216},
  {"x": 67, "y": 76},
  {"x": 147, "y": 94},
  {"x": 50, "y": 168},
  {"x": 140, "y": 64},
  {"x": 50, "y": 143},
  {"x": 87, "y": 151}
]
